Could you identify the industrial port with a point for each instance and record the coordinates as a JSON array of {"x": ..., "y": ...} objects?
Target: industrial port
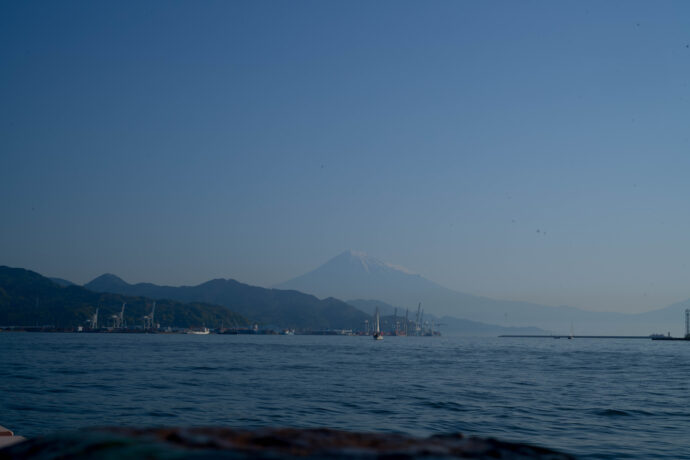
[{"x": 392, "y": 325}]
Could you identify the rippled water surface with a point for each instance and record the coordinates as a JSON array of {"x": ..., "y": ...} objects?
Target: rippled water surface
[{"x": 594, "y": 398}]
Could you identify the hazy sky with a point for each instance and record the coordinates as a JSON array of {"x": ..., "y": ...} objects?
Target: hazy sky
[{"x": 527, "y": 150}]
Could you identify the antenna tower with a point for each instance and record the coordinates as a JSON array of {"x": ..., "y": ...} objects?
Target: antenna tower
[
  {"x": 395, "y": 320},
  {"x": 417, "y": 322},
  {"x": 153, "y": 312}
]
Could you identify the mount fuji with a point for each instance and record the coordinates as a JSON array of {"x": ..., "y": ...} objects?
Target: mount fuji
[{"x": 355, "y": 275}]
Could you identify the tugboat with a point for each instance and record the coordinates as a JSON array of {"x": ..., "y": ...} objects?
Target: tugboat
[{"x": 377, "y": 326}]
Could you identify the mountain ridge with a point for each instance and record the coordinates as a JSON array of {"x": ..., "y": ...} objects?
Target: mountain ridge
[
  {"x": 269, "y": 307},
  {"x": 29, "y": 299}
]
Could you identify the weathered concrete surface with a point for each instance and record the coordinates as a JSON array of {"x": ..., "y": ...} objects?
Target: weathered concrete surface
[
  {"x": 215, "y": 442},
  {"x": 7, "y": 438}
]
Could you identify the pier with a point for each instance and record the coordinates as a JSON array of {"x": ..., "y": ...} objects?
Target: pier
[{"x": 580, "y": 336}]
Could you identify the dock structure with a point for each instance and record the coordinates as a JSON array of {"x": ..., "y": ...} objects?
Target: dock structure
[
  {"x": 686, "y": 337},
  {"x": 7, "y": 437},
  {"x": 651, "y": 336},
  {"x": 565, "y": 336}
]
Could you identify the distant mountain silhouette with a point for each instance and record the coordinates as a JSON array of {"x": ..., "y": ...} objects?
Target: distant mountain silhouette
[
  {"x": 29, "y": 299},
  {"x": 107, "y": 282},
  {"x": 354, "y": 275},
  {"x": 369, "y": 306},
  {"x": 270, "y": 307},
  {"x": 62, "y": 282}
]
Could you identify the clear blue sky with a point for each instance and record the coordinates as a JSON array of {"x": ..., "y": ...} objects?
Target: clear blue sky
[{"x": 175, "y": 142}]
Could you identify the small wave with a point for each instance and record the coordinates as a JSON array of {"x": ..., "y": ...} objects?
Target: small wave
[
  {"x": 70, "y": 371},
  {"x": 20, "y": 407},
  {"x": 160, "y": 386},
  {"x": 34, "y": 408},
  {"x": 451, "y": 406},
  {"x": 160, "y": 414},
  {"x": 613, "y": 413},
  {"x": 350, "y": 405},
  {"x": 186, "y": 409},
  {"x": 25, "y": 377},
  {"x": 59, "y": 390},
  {"x": 204, "y": 368}
]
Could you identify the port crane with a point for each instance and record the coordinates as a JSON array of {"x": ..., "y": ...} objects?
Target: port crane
[
  {"x": 93, "y": 322},
  {"x": 148, "y": 319},
  {"x": 418, "y": 320},
  {"x": 119, "y": 319}
]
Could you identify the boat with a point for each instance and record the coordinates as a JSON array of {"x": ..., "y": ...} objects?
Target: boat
[
  {"x": 377, "y": 326},
  {"x": 659, "y": 336},
  {"x": 203, "y": 331}
]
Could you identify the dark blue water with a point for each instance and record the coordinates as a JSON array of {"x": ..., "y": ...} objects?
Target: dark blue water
[{"x": 592, "y": 398}]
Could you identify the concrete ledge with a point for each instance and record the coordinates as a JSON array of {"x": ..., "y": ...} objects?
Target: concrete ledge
[
  {"x": 7, "y": 438},
  {"x": 203, "y": 443},
  {"x": 6, "y": 441}
]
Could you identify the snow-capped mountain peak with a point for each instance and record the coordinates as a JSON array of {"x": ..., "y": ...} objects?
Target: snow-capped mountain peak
[{"x": 368, "y": 263}]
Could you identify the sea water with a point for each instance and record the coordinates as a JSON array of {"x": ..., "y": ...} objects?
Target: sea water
[{"x": 594, "y": 398}]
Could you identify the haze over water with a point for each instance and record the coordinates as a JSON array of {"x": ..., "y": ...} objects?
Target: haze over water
[{"x": 592, "y": 398}]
